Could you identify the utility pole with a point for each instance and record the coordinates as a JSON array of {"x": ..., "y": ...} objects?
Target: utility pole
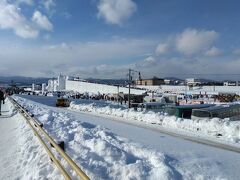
[
  {"x": 118, "y": 94},
  {"x": 129, "y": 84}
]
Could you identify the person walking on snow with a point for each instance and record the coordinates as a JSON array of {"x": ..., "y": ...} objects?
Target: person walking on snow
[{"x": 1, "y": 100}]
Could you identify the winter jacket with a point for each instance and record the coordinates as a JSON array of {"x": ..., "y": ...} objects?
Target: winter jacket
[{"x": 1, "y": 96}]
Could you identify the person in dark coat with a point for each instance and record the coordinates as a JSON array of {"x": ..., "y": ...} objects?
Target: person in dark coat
[{"x": 1, "y": 100}]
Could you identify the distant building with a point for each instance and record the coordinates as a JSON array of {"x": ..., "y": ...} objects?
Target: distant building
[
  {"x": 78, "y": 79},
  {"x": 167, "y": 81},
  {"x": 192, "y": 82},
  {"x": 36, "y": 87},
  {"x": 230, "y": 83},
  {"x": 155, "y": 81}
]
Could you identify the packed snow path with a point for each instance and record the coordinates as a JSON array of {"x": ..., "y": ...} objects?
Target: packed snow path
[
  {"x": 181, "y": 159},
  {"x": 21, "y": 155}
]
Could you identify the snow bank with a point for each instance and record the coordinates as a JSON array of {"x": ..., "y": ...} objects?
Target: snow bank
[
  {"x": 21, "y": 155},
  {"x": 197, "y": 89},
  {"x": 100, "y": 153},
  {"x": 221, "y": 128}
]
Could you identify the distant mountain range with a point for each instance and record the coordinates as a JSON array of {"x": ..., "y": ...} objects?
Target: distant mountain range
[
  {"x": 108, "y": 81},
  {"x": 182, "y": 80},
  {"x": 22, "y": 81},
  {"x": 26, "y": 81}
]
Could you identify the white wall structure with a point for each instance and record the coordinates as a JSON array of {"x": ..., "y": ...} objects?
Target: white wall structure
[
  {"x": 81, "y": 87},
  {"x": 43, "y": 88},
  {"x": 61, "y": 82},
  {"x": 51, "y": 84},
  {"x": 192, "y": 81},
  {"x": 33, "y": 87},
  {"x": 58, "y": 84}
]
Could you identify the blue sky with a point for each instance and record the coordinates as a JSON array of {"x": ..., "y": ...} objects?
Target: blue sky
[{"x": 103, "y": 38}]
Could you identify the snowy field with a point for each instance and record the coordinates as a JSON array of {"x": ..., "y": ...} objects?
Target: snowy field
[
  {"x": 229, "y": 130},
  {"x": 195, "y": 90},
  {"x": 109, "y": 149}
]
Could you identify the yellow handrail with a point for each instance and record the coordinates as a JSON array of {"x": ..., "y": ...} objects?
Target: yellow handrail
[
  {"x": 55, "y": 145},
  {"x": 60, "y": 167},
  {"x": 64, "y": 155}
]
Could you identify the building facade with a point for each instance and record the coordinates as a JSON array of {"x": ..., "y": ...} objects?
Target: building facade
[
  {"x": 230, "y": 83},
  {"x": 192, "y": 82},
  {"x": 155, "y": 81}
]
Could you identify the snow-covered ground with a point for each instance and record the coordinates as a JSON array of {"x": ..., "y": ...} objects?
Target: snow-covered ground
[
  {"x": 21, "y": 155},
  {"x": 195, "y": 90},
  {"x": 108, "y": 149},
  {"x": 229, "y": 130},
  {"x": 99, "y": 152}
]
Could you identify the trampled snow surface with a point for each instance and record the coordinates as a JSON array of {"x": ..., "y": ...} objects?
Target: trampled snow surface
[
  {"x": 135, "y": 153},
  {"x": 21, "y": 155},
  {"x": 102, "y": 154}
]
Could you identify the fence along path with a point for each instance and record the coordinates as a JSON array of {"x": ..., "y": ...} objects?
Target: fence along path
[{"x": 35, "y": 125}]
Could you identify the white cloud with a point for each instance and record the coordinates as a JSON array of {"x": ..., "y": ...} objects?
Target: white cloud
[
  {"x": 193, "y": 41},
  {"x": 213, "y": 52},
  {"x": 62, "y": 46},
  {"x": 48, "y": 4},
  {"x": 34, "y": 60},
  {"x": 11, "y": 18},
  {"x": 42, "y": 21},
  {"x": 170, "y": 67},
  {"x": 146, "y": 63},
  {"x": 236, "y": 51},
  {"x": 162, "y": 48},
  {"x": 66, "y": 15},
  {"x": 116, "y": 11},
  {"x": 105, "y": 60},
  {"x": 28, "y": 2}
]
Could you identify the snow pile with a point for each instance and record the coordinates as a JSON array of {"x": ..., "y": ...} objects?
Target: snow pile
[
  {"x": 221, "y": 128},
  {"x": 101, "y": 103},
  {"x": 228, "y": 130},
  {"x": 101, "y": 154},
  {"x": 21, "y": 154},
  {"x": 196, "y": 89}
]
